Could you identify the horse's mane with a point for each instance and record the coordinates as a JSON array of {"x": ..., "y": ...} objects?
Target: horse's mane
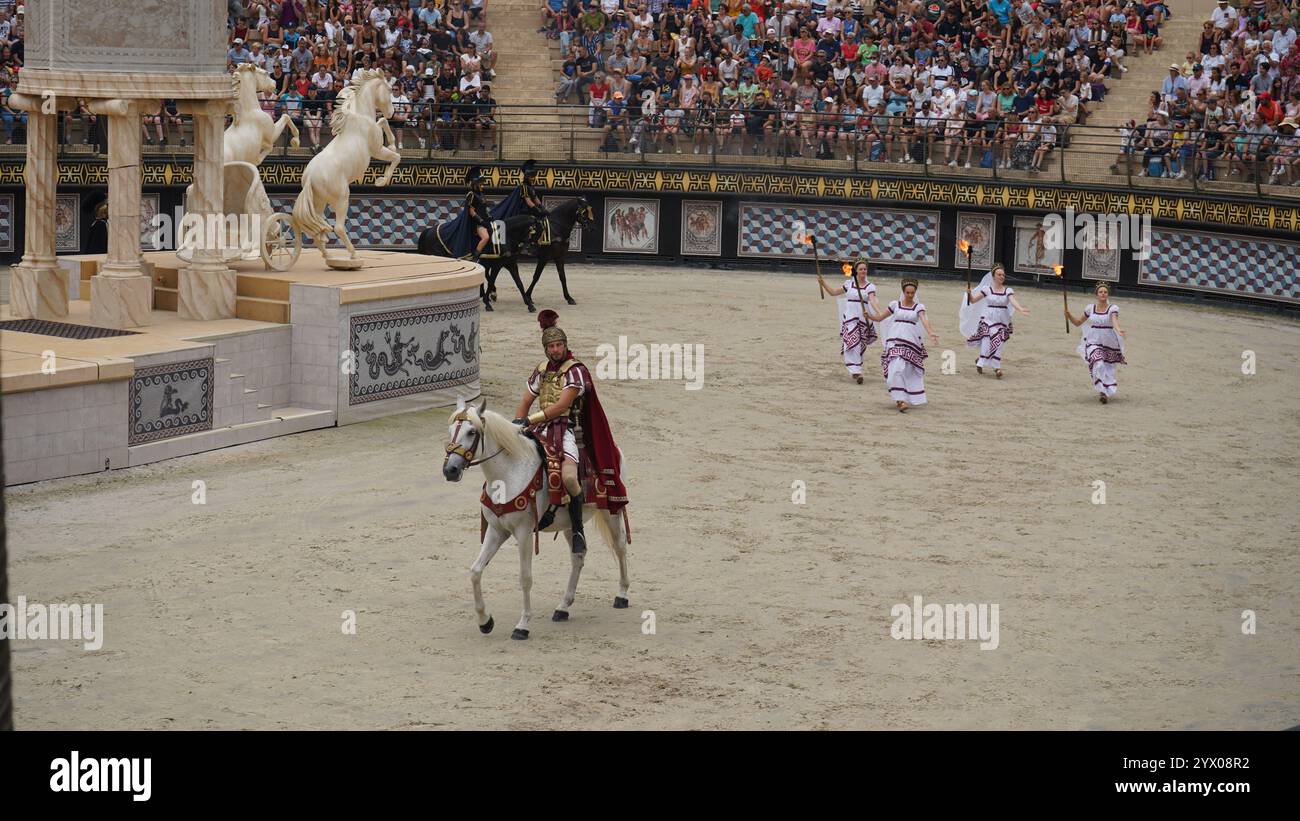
[
  {"x": 503, "y": 431},
  {"x": 345, "y": 104}
]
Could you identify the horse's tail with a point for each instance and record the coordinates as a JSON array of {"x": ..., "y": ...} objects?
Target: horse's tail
[
  {"x": 602, "y": 518},
  {"x": 306, "y": 219}
]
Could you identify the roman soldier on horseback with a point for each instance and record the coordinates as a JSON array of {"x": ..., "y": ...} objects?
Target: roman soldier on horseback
[
  {"x": 573, "y": 431},
  {"x": 476, "y": 209}
]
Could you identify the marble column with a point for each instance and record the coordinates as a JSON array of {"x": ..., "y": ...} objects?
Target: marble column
[
  {"x": 38, "y": 286},
  {"x": 121, "y": 295},
  {"x": 206, "y": 287}
]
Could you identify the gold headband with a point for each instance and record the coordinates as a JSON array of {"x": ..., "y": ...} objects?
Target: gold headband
[{"x": 909, "y": 281}]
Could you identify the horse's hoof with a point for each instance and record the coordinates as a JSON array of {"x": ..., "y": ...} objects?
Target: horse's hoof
[
  {"x": 571, "y": 300},
  {"x": 560, "y": 615},
  {"x": 519, "y": 635},
  {"x": 620, "y": 603},
  {"x": 487, "y": 628},
  {"x": 492, "y": 295},
  {"x": 487, "y": 306},
  {"x": 532, "y": 309}
]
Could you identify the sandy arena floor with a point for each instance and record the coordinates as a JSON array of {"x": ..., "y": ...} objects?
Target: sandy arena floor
[{"x": 768, "y": 614}]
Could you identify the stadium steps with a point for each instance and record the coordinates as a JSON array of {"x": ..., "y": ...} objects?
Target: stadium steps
[
  {"x": 524, "y": 79},
  {"x": 1092, "y": 154}
]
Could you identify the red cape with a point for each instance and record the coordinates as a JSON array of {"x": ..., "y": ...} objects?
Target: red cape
[{"x": 602, "y": 465}]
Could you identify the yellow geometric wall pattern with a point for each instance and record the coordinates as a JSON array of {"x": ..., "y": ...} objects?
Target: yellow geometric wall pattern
[{"x": 1171, "y": 207}]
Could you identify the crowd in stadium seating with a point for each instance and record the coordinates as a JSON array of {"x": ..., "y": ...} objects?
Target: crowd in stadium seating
[
  {"x": 438, "y": 54},
  {"x": 11, "y": 60},
  {"x": 1236, "y": 102},
  {"x": 961, "y": 82}
]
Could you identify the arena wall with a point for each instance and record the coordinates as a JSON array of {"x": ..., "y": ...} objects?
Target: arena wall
[{"x": 1202, "y": 246}]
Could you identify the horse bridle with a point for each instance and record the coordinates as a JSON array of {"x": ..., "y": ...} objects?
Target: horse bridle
[{"x": 465, "y": 453}]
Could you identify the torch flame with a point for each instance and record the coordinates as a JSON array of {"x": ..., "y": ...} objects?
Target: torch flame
[
  {"x": 964, "y": 246},
  {"x": 847, "y": 269},
  {"x": 807, "y": 239},
  {"x": 1058, "y": 268}
]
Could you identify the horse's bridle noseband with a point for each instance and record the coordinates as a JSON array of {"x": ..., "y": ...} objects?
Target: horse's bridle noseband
[{"x": 465, "y": 453}]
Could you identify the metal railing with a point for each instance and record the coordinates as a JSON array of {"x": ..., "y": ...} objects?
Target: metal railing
[{"x": 1083, "y": 156}]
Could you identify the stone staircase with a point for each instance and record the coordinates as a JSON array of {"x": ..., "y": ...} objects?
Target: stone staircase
[
  {"x": 525, "y": 79},
  {"x": 1092, "y": 152}
]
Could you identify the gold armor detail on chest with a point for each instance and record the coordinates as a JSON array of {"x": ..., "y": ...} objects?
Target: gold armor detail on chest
[{"x": 553, "y": 385}]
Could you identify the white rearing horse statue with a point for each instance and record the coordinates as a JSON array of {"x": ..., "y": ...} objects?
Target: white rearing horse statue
[
  {"x": 358, "y": 137},
  {"x": 252, "y": 133},
  {"x": 510, "y": 462}
]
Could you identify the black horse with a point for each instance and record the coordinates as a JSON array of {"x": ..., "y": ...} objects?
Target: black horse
[
  {"x": 553, "y": 240},
  {"x": 500, "y": 252}
]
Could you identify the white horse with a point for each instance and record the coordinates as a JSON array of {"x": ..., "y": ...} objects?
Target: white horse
[
  {"x": 358, "y": 137},
  {"x": 252, "y": 133},
  {"x": 510, "y": 462}
]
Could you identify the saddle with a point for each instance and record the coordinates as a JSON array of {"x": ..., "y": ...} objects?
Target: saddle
[{"x": 553, "y": 485}]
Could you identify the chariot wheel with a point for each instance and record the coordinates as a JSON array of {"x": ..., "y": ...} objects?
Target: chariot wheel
[{"x": 281, "y": 245}]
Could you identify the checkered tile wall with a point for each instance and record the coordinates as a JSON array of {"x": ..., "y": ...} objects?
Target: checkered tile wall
[
  {"x": 386, "y": 222},
  {"x": 1216, "y": 262},
  {"x": 901, "y": 237},
  {"x": 6, "y": 222}
]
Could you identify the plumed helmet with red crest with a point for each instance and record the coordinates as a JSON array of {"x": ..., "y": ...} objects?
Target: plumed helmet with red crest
[{"x": 550, "y": 331}]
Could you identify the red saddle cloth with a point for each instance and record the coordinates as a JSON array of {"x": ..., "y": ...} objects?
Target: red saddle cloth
[{"x": 520, "y": 502}]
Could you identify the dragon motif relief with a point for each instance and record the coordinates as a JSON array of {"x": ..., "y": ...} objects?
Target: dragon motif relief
[{"x": 402, "y": 353}]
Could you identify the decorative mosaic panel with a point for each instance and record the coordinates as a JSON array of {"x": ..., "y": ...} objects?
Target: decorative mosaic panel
[
  {"x": 980, "y": 231},
  {"x": 148, "y": 210},
  {"x": 385, "y": 222},
  {"x": 701, "y": 228},
  {"x": 898, "y": 237},
  {"x": 170, "y": 400},
  {"x": 67, "y": 223},
  {"x": 6, "y": 223},
  {"x": 631, "y": 226},
  {"x": 1032, "y": 254},
  {"x": 413, "y": 350},
  {"x": 1244, "y": 266},
  {"x": 1101, "y": 263}
]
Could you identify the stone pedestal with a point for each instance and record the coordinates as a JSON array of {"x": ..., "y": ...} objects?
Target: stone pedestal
[
  {"x": 205, "y": 294},
  {"x": 38, "y": 292},
  {"x": 121, "y": 302}
]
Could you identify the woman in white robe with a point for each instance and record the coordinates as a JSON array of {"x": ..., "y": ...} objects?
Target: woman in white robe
[
  {"x": 903, "y": 361},
  {"x": 1102, "y": 346},
  {"x": 985, "y": 317},
  {"x": 855, "y": 296}
]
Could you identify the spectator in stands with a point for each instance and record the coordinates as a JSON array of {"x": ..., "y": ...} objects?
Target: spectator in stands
[
  {"x": 12, "y": 117},
  {"x": 401, "y": 112},
  {"x": 237, "y": 53}
]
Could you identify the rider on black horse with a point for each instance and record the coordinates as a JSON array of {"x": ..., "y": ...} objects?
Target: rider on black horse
[
  {"x": 476, "y": 209},
  {"x": 467, "y": 235}
]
